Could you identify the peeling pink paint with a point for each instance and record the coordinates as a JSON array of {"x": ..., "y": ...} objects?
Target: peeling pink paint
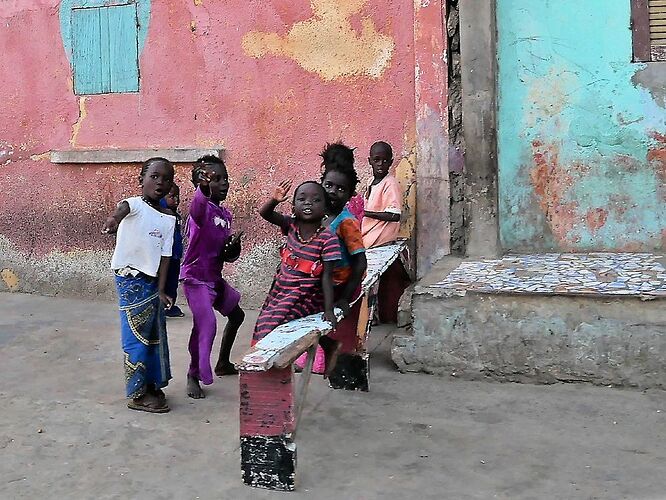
[{"x": 198, "y": 89}]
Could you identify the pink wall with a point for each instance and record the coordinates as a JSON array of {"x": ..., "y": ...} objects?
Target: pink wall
[{"x": 205, "y": 81}]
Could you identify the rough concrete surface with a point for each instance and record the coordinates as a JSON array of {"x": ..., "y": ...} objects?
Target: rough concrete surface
[
  {"x": 543, "y": 339},
  {"x": 65, "y": 432}
]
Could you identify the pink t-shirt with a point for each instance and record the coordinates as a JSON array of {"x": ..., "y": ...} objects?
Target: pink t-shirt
[{"x": 383, "y": 197}]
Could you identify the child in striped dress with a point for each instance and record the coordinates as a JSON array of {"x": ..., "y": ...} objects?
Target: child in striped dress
[{"x": 304, "y": 282}]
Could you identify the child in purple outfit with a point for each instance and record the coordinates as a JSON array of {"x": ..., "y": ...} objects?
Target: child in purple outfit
[{"x": 211, "y": 244}]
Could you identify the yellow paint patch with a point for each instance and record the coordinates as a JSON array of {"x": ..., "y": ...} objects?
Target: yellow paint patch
[
  {"x": 405, "y": 172},
  {"x": 76, "y": 128},
  {"x": 198, "y": 2},
  {"x": 326, "y": 44},
  {"x": 10, "y": 279},
  {"x": 42, "y": 156}
]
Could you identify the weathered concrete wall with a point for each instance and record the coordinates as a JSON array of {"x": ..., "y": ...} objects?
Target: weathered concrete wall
[
  {"x": 582, "y": 151},
  {"x": 455, "y": 132},
  {"x": 536, "y": 339},
  {"x": 478, "y": 73},
  {"x": 270, "y": 82},
  {"x": 433, "y": 236}
]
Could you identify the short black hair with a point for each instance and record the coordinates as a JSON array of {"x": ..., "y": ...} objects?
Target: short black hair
[
  {"x": 323, "y": 191},
  {"x": 384, "y": 145},
  {"x": 157, "y": 159},
  {"x": 338, "y": 157}
]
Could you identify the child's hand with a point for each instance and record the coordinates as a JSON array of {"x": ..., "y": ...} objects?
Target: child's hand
[
  {"x": 232, "y": 247},
  {"x": 234, "y": 240},
  {"x": 110, "y": 226},
  {"x": 330, "y": 317},
  {"x": 204, "y": 176},
  {"x": 166, "y": 300},
  {"x": 280, "y": 193},
  {"x": 344, "y": 305}
]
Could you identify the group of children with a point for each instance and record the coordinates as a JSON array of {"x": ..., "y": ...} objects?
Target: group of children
[{"x": 322, "y": 263}]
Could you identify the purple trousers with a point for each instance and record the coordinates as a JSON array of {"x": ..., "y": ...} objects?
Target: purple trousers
[{"x": 204, "y": 299}]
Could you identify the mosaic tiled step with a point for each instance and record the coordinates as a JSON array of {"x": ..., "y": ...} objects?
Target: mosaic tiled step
[{"x": 631, "y": 274}]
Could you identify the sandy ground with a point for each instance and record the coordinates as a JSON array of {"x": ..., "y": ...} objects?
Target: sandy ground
[{"x": 65, "y": 431}]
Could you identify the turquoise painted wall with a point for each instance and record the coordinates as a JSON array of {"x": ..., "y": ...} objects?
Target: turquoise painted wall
[{"x": 582, "y": 150}]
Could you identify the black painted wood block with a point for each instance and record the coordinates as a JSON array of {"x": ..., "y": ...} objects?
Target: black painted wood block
[
  {"x": 268, "y": 462},
  {"x": 351, "y": 372}
]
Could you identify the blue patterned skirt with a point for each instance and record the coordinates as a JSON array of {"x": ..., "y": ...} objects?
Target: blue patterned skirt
[{"x": 143, "y": 334}]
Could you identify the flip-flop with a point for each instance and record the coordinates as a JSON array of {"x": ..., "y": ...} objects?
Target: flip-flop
[{"x": 150, "y": 407}]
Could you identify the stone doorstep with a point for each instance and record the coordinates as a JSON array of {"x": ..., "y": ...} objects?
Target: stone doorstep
[
  {"x": 592, "y": 274},
  {"x": 595, "y": 317}
]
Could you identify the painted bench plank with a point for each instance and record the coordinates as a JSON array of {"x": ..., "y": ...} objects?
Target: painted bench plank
[{"x": 284, "y": 344}]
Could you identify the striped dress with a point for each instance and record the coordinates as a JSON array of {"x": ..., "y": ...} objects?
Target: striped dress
[{"x": 295, "y": 294}]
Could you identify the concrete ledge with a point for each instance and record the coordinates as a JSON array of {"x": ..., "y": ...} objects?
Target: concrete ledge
[
  {"x": 177, "y": 155},
  {"x": 540, "y": 339}
]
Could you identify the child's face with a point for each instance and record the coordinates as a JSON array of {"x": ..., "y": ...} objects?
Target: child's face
[
  {"x": 173, "y": 198},
  {"x": 157, "y": 181},
  {"x": 380, "y": 160},
  {"x": 338, "y": 189},
  {"x": 309, "y": 203},
  {"x": 219, "y": 182}
]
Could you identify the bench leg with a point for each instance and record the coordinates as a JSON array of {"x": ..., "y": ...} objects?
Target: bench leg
[
  {"x": 267, "y": 421},
  {"x": 352, "y": 370}
]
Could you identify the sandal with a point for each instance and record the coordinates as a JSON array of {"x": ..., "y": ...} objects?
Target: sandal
[{"x": 148, "y": 405}]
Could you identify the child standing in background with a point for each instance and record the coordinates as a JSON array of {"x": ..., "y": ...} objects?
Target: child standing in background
[
  {"x": 171, "y": 201},
  {"x": 140, "y": 261},
  {"x": 210, "y": 245},
  {"x": 383, "y": 199},
  {"x": 381, "y": 225}
]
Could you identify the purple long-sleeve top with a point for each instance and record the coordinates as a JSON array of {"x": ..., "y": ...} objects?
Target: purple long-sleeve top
[{"x": 208, "y": 229}]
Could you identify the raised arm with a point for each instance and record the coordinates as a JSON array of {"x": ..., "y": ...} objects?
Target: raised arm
[
  {"x": 112, "y": 222},
  {"x": 267, "y": 210}
]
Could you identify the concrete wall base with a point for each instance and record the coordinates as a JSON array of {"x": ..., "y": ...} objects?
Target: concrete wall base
[{"x": 536, "y": 339}]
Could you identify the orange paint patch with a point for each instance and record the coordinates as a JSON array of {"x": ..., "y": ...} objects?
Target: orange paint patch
[
  {"x": 657, "y": 156},
  {"x": 596, "y": 218},
  {"x": 551, "y": 182}
]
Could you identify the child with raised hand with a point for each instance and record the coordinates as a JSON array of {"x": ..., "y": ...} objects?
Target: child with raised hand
[
  {"x": 304, "y": 281},
  {"x": 339, "y": 180},
  {"x": 140, "y": 262},
  {"x": 210, "y": 245},
  {"x": 171, "y": 201},
  {"x": 383, "y": 199}
]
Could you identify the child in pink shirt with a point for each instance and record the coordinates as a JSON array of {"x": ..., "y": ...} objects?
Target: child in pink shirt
[{"x": 383, "y": 199}]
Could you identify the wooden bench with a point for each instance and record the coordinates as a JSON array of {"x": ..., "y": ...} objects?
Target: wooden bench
[{"x": 270, "y": 403}]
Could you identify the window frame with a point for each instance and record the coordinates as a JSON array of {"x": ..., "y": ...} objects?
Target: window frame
[
  {"x": 643, "y": 49},
  {"x": 106, "y": 63}
]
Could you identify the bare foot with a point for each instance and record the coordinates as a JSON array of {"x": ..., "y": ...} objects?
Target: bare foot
[
  {"x": 194, "y": 390},
  {"x": 222, "y": 369}
]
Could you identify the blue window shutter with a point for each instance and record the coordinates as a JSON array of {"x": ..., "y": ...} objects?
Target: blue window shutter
[
  {"x": 122, "y": 38},
  {"x": 105, "y": 51},
  {"x": 87, "y": 51}
]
